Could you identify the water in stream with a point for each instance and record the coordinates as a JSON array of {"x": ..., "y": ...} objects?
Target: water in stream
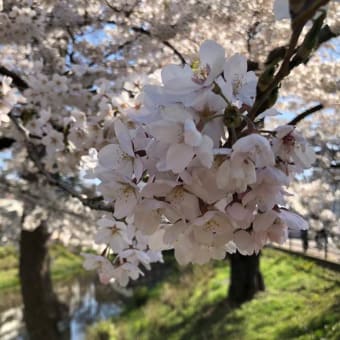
[{"x": 87, "y": 300}]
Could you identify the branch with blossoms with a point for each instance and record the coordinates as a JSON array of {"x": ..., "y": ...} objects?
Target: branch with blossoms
[
  {"x": 164, "y": 42},
  {"x": 187, "y": 167},
  {"x": 142, "y": 30},
  {"x": 173, "y": 183},
  {"x": 95, "y": 203}
]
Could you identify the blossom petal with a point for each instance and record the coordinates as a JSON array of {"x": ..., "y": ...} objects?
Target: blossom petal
[
  {"x": 124, "y": 138},
  {"x": 191, "y": 135},
  {"x": 178, "y": 157},
  {"x": 244, "y": 241},
  {"x": 223, "y": 175},
  {"x": 166, "y": 132},
  {"x": 293, "y": 221},
  {"x": 125, "y": 203},
  {"x": 178, "y": 79},
  {"x": 205, "y": 152},
  {"x": 212, "y": 54},
  {"x": 264, "y": 221},
  {"x": 112, "y": 157},
  {"x": 235, "y": 67}
]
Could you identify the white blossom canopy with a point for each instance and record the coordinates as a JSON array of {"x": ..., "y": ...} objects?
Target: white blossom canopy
[{"x": 161, "y": 104}]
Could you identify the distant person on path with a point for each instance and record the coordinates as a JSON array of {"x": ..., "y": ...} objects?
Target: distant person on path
[
  {"x": 304, "y": 237},
  {"x": 321, "y": 238}
]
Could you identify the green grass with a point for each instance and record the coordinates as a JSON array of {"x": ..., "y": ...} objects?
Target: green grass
[
  {"x": 301, "y": 301},
  {"x": 64, "y": 264}
]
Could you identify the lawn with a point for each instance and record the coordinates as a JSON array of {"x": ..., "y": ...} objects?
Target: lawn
[
  {"x": 302, "y": 301},
  {"x": 63, "y": 265}
]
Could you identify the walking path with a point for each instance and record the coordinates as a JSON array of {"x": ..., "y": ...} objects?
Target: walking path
[{"x": 332, "y": 254}]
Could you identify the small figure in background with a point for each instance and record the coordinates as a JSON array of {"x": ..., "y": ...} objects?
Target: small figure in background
[
  {"x": 321, "y": 238},
  {"x": 304, "y": 237}
]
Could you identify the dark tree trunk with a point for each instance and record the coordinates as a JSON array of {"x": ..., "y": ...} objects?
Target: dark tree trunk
[
  {"x": 42, "y": 311},
  {"x": 246, "y": 278}
]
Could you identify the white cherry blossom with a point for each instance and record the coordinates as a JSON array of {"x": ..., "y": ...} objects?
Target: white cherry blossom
[
  {"x": 103, "y": 266},
  {"x": 8, "y": 98},
  {"x": 126, "y": 271},
  {"x": 188, "y": 79},
  {"x": 257, "y": 148},
  {"x": 290, "y": 146},
  {"x": 125, "y": 195},
  {"x": 112, "y": 233},
  {"x": 234, "y": 175},
  {"x": 240, "y": 84}
]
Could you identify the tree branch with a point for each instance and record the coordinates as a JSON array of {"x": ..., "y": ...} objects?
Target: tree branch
[
  {"x": 175, "y": 51},
  {"x": 95, "y": 203},
  {"x": 5, "y": 143},
  {"x": 36, "y": 200},
  {"x": 282, "y": 73},
  {"x": 304, "y": 114},
  {"x": 164, "y": 42},
  {"x": 297, "y": 26},
  {"x": 142, "y": 30},
  {"x": 127, "y": 12},
  {"x": 17, "y": 81}
]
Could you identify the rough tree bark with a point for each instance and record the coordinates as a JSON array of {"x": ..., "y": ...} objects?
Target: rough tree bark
[
  {"x": 246, "y": 278},
  {"x": 42, "y": 310}
]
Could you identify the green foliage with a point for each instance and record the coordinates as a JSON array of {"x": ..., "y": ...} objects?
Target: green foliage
[
  {"x": 8, "y": 267},
  {"x": 302, "y": 301},
  {"x": 9, "y": 279},
  {"x": 64, "y": 264},
  {"x": 102, "y": 331}
]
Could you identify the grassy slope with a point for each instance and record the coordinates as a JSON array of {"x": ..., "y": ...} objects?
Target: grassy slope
[
  {"x": 302, "y": 301},
  {"x": 63, "y": 263}
]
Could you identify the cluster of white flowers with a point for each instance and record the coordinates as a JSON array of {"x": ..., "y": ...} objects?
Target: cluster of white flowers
[
  {"x": 8, "y": 98},
  {"x": 20, "y": 24},
  {"x": 180, "y": 177},
  {"x": 177, "y": 174}
]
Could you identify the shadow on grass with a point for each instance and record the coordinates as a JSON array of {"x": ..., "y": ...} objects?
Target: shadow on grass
[
  {"x": 209, "y": 324},
  {"x": 215, "y": 321},
  {"x": 324, "y": 326}
]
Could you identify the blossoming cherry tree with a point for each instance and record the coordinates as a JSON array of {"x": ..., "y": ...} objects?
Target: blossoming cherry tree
[{"x": 181, "y": 174}]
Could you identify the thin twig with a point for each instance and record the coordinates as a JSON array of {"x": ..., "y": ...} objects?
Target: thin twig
[
  {"x": 176, "y": 52},
  {"x": 142, "y": 30},
  {"x": 306, "y": 113}
]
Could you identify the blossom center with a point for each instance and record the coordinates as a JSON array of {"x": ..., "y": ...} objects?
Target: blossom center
[{"x": 201, "y": 73}]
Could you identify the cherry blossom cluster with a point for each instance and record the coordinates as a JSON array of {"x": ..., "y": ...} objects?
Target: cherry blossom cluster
[
  {"x": 20, "y": 23},
  {"x": 188, "y": 169},
  {"x": 9, "y": 97}
]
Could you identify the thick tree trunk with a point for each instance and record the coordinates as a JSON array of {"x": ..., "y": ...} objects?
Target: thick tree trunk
[
  {"x": 246, "y": 277},
  {"x": 42, "y": 311}
]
